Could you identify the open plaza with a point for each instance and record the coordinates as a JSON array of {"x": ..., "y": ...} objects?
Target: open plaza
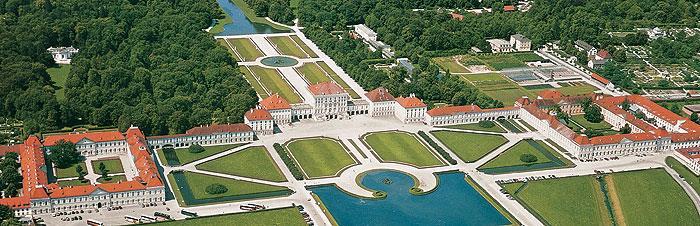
[{"x": 318, "y": 149}]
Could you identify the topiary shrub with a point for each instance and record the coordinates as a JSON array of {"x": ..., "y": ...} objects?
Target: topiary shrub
[
  {"x": 487, "y": 124},
  {"x": 215, "y": 189},
  {"x": 196, "y": 148},
  {"x": 528, "y": 158},
  {"x": 416, "y": 191},
  {"x": 379, "y": 194}
]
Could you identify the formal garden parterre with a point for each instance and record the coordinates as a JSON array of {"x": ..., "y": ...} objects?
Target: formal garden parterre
[
  {"x": 402, "y": 147},
  {"x": 320, "y": 156},
  {"x": 253, "y": 162}
]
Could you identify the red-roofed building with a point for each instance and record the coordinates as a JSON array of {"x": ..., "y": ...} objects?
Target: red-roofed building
[
  {"x": 602, "y": 55},
  {"x": 205, "y": 135},
  {"x": 691, "y": 158},
  {"x": 452, "y": 115},
  {"x": 550, "y": 94},
  {"x": 410, "y": 109},
  {"x": 20, "y": 205},
  {"x": 260, "y": 121},
  {"x": 279, "y": 108},
  {"x": 91, "y": 143},
  {"x": 381, "y": 102},
  {"x": 7, "y": 149},
  {"x": 456, "y": 16},
  {"x": 330, "y": 101},
  {"x": 509, "y": 8}
]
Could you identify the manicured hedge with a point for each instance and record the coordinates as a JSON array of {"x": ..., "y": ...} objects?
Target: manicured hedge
[
  {"x": 288, "y": 161},
  {"x": 437, "y": 147}
]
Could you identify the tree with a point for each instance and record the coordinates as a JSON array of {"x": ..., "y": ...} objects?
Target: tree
[
  {"x": 625, "y": 105},
  {"x": 103, "y": 169},
  {"x": 64, "y": 154},
  {"x": 80, "y": 171},
  {"x": 593, "y": 114},
  {"x": 11, "y": 190},
  {"x": 196, "y": 148},
  {"x": 6, "y": 213},
  {"x": 626, "y": 129},
  {"x": 528, "y": 158},
  {"x": 694, "y": 117}
]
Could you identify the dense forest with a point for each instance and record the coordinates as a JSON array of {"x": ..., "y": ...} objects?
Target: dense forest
[{"x": 145, "y": 63}]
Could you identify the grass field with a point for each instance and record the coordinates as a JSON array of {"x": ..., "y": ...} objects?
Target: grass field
[
  {"x": 497, "y": 87},
  {"x": 469, "y": 146},
  {"x": 185, "y": 156},
  {"x": 275, "y": 83},
  {"x": 253, "y": 82},
  {"x": 286, "y": 46},
  {"x": 76, "y": 182},
  {"x": 475, "y": 126},
  {"x": 59, "y": 75},
  {"x": 198, "y": 183},
  {"x": 313, "y": 73},
  {"x": 253, "y": 162},
  {"x": 509, "y": 60},
  {"x": 511, "y": 157},
  {"x": 112, "y": 179},
  {"x": 449, "y": 64},
  {"x": 70, "y": 171},
  {"x": 246, "y": 48},
  {"x": 285, "y": 216},
  {"x": 250, "y": 14},
  {"x": 581, "y": 120},
  {"x": 112, "y": 166},
  {"x": 338, "y": 80},
  {"x": 685, "y": 173},
  {"x": 398, "y": 146},
  {"x": 652, "y": 197},
  {"x": 565, "y": 201},
  {"x": 303, "y": 46},
  {"x": 320, "y": 157}
]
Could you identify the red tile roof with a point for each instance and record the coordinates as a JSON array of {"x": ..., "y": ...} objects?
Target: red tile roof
[
  {"x": 146, "y": 166},
  {"x": 72, "y": 191},
  {"x": 16, "y": 202},
  {"x": 603, "y": 54},
  {"x": 453, "y": 110},
  {"x": 509, "y": 8},
  {"x": 380, "y": 94},
  {"x": 599, "y": 78},
  {"x": 220, "y": 128},
  {"x": 32, "y": 162},
  {"x": 257, "y": 115},
  {"x": 410, "y": 102},
  {"x": 326, "y": 88},
  {"x": 457, "y": 16},
  {"x": 691, "y": 153},
  {"x": 275, "y": 102},
  {"x": 76, "y": 137},
  {"x": 550, "y": 94},
  {"x": 7, "y": 149},
  {"x": 122, "y": 186}
]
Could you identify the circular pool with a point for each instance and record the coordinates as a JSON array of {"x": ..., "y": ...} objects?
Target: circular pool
[{"x": 279, "y": 61}]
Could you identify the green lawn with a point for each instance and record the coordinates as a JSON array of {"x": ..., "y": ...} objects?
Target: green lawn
[
  {"x": 565, "y": 201},
  {"x": 112, "y": 179},
  {"x": 246, "y": 48},
  {"x": 198, "y": 183},
  {"x": 253, "y": 82},
  {"x": 59, "y": 75},
  {"x": 652, "y": 197},
  {"x": 185, "y": 156},
  {"x": 285, "y": 216},
  {"x": 498, "y": 87},
  {"x": 501, "y": 61},
  {"x": 286, "y": 46},
  {"x": 253, "y": 162},
  {"x": 112, "y": 166},
  {"x": 508, "y": 96},
  {"x": 685, "y": 173},
  {"x": 475, "y": 126},
  {"x": 75, "y": 182},
  {"x": 527, "y": 56},
  {"x": 320, "y": 157},
  {"x": 338, "y": 80},
  {"x": 574, "y": 90},
  {"x": 313, "y": 73},
  {"x": 511, "y": 157},
  {"x": 580, "y": 119},
  {"x": 275, "y": 83},
  {"x": 70, "y": 171},
  {"x": 304, "y": 46},
  {"x": 398, "y": 146},
  {"x": 449, "y": 64},
  {"x": 469, "y": 146}
]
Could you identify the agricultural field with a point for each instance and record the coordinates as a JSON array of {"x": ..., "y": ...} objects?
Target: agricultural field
[
  {"x": 287, "y": 46},
  {"x": 273, "y": 82},
  {"x": 398, "y": 146},
  {"x": 450, "y": 64},
  {"x": 286, "y": 216},
  {"x": 245, "y": 49},
  {"x": 498, "y": 87},
  {"x": 320, "y": 157},
  {"x": 253, "y": 162},
  {"x": 470, "y": 147}
]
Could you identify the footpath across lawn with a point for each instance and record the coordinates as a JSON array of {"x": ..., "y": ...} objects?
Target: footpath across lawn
[
  {"x": 469, "y": 146},
  {"x": 404, "y": 147},
  {"x": 510, "y": 160},
  {"x": 253, "y": 162}
]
